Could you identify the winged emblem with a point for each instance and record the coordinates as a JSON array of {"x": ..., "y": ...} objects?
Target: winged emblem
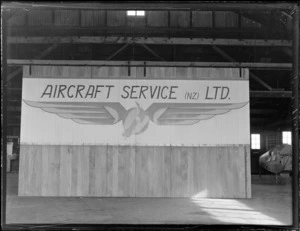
[{"x": 135, "y": 120}]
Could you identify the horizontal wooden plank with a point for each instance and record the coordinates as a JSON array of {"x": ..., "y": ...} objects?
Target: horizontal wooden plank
[
  {"x": 274, "y": 66},
  {"x": 148, "y": 40},
  {"x": 134, "y": 72},
  {"x": 270, "y": 94},
  {"x": 157, "y": 6}
]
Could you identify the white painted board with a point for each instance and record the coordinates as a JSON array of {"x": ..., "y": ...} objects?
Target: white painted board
[{"x": 135, "y": 112}]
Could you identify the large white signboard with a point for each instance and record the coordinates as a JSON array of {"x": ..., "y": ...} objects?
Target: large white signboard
[{"x": 135, "y": 112}]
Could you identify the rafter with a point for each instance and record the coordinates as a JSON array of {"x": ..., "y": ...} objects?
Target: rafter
[
  {"x": 229, "y": 58},
  {"x": 152, "y": 52},
  {"x": 117, "y": 52},
  {"x": 39, "y": 56}
]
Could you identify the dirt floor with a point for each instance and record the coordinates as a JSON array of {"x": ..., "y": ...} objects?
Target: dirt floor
[{"x": 271, "y": 204}]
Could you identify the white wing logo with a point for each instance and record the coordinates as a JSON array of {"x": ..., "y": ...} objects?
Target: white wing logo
[{"x": 136, "y": 120}]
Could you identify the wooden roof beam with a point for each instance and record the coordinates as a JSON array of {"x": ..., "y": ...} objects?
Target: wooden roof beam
[
  {"x": 231, "y": 59},
  {"x": 117, "y": 52},
  {"x": 159, "y": 5},
  {"x": 148, "y": 40},
  {"x": 152, "y": 52},
  {"x": 273, "y": 66},
  {"x": 39, "y": 56},
  {"x": 270, "y": 94}
]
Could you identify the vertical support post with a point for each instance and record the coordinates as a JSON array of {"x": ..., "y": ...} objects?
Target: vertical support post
[
  {"x": 295, "y": 118},
  {"x": 4, "y": 113}
]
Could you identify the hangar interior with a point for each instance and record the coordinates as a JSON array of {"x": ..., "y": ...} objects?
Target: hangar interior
[{"x": 185, "y": 34}]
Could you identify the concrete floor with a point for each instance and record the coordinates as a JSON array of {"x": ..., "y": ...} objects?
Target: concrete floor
[{"x": 271, "y": 205}]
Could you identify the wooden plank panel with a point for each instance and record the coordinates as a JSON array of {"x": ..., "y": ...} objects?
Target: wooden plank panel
[
  {"x": 181, "y": 72},
  {"x": 40, "y": 17},
  {"x": 152, "y": 172},
  {"x": 216, "y": 172},
  {"x": 44, "y": 72},
  {"x": 45, "y": 169},
  {"x": 99, "y": 72},
  {"x": 157, "y": 172},
  {"x": 28, "y": 172},
  {"x": 77, "y": 72},
  {"x": 115, "y": 163},
  {"x": 92, "y": 18},
  {"x": 136, "y": 21},
  {"x": 142, "y": 181},
  {"x": 167, "y": 171},
  {"x": 179, "y": 166},
  {"x": 18, "y": 18},
  {"x": 74, "y": 172},
  {"x": 92, "y": 171},
  {"x": 190, "y": 179},
  {"x": 31, "y": 188},
  {"x": 170, "y": 73},
  {"x": 226, "y": 154},
  {"x": 38, "y": 170},
  {"x": 213, "y": 181},
  {"x": 58, "y": 72},
  {"x": 199, "y": 187},
  {"x": 115, "y": 72},
  {"x": 219, "y": 166},
  {"x": 241, "y": 173},
  {"x": 248, "y": 171},
  {"x": 54, "y": 170},
  {"x": 121, "y": 170},
  {"x": 66, "y": 17},
  {"x": 116, "y": 18},
  {"x": 132, "y": 173},
  {"x": 225, "y": 19},
  {"x": 141, "y": 73},
  {"x": 202, "y": 19},
  {"x": 161, "y": 72},
  {"x": 101, "y": 170},
  {"x": 83, "y": 171},
  {"x": 180, "y": 19},
  {"x": 157, "y": 18},
  {"x": 65, "y": 174},
  {"x": 112, "y": 171},
  {"x": 23, "y": 168},
  {"x": 126, "y": 171},
  {"x": 215, "y": 178},
  {"x": 235, "y": 163}
]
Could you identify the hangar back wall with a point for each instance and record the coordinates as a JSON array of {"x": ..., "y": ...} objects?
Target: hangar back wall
[{"x": 126, "y": 170}]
